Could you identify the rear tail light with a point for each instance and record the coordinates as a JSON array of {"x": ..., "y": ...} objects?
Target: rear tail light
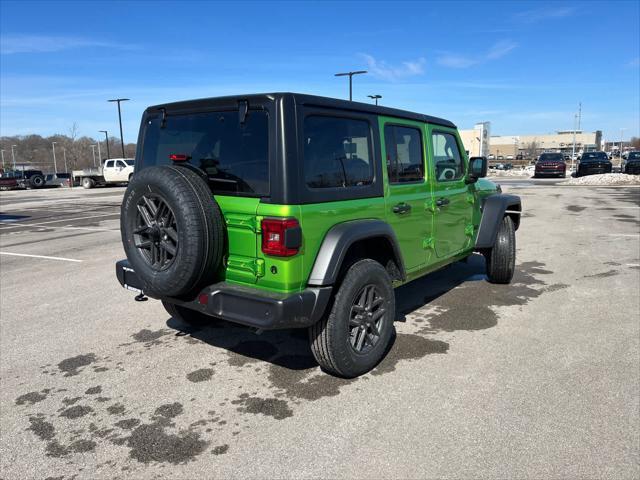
[
  {"x": 281, "y": 237},
  {"x": 179, "y": 157}
]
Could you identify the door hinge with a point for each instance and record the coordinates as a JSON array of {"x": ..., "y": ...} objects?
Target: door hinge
[
  {"x": 427, "y": 243},
  {"x": 247, "y": 265},
  {"x": 469, "y": 229}
]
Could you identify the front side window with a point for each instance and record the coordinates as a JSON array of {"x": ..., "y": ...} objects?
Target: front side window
[
  {"x": 109, "y": 164},
  {"x": 448, "y": 162},
  {"x": 337, "y": 152},
  {"x": 405, "y": 162},
  {"x": 234, "y": 155},
  {"x": 120, "y": 164}
]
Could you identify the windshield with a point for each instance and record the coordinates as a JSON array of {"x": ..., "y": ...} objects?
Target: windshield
[
  {"x": 553, "y": 157},
  {"x": 594, "y": 156},
  {"x": 234, "y": 156},
  {"x": 634, "y": 156}
]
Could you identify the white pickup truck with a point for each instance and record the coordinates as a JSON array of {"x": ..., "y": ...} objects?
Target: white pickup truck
[{"x": 113, "y": 170}]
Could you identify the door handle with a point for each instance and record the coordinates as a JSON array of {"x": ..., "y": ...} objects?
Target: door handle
[
  {"x": 401, "y": 208},
  {"x": 441, "y": 202}
]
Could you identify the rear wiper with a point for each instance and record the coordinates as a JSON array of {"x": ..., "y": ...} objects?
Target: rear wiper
[
  {"x": 243, "y": 109},
  {"x": 163, "y": 122}
]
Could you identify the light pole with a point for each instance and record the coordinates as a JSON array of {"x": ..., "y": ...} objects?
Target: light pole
[
  {"x": 93, "y": 149},
  {"x": 55, "y": 165},
  {"x": 64, "y": 153},
  {"x": 573, "y": 148},
  {"x": 99, "y": 154},
  {"x": 106, "y": 139},
  {"x": 350, "y": 75},
  {"x": 13, "y": 156},
  {"x": 2, "y": 154},
  {"x": 621, "y": 137},
  {"x": 375, "y": 97},
  {"x": 118, "y": 100}
]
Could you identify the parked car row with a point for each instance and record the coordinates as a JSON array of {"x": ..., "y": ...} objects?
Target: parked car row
[
  {"x": 589, "y": 163},
  {"x": 21, "y": 179}
]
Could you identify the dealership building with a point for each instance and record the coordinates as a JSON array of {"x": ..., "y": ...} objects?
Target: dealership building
[{"x": 478, "y": 142}]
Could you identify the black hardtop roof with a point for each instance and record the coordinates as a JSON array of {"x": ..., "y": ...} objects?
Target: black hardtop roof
[{"x": 304, "y": 99}]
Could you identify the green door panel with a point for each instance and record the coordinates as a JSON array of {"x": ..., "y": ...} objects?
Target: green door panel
[
  {"x": 414, "y": 227},
  {"x": 453, "y": 199}
]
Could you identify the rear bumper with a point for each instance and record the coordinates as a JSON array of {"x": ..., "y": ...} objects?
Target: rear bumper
[{"x": 245, "y": 305}]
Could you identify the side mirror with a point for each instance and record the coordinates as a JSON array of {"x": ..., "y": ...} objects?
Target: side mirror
[{"x": 477, "y": 169}]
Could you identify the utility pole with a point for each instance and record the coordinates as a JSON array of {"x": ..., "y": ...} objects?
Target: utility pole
[
  {"x": 93, "y": 149},
  {"x": 106, "y": 138},
  {"x": 2, "y": 154},
  {"x": 579, "y": 115},
  {"x": 118, "y": 100},
  {"x": 99, "y": 154},
  {"x": 350, "y": 75},
  {"x": 573, "y": 149},
  {"x": 64, "y": 153},
  {"x": 55, "y": 165},
  {"x": 375, "y": 97},
  {"x": 13, "y": 156}
]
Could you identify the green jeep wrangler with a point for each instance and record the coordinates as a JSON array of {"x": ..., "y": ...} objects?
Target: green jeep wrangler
[{"x": 288, "y": 211}]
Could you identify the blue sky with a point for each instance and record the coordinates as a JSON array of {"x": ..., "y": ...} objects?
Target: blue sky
[{"x": 524, "y": 66}]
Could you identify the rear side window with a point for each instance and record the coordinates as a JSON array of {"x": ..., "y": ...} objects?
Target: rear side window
[
  {"x": 405, "y": 162},
  {"x": 337, "y": 152},
  {"x": 446, "y": 156},
  {"x": 234, "y": 155}
]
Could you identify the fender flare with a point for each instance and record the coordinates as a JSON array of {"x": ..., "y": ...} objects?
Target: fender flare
[
  {"x": 337, "y": 241},
  {"x": 494, "y": 208}
]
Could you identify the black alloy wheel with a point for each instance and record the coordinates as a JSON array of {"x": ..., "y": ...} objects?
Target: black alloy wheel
[
  {"x": 366, "y": 319},
  {"x": 156, "y": 233}
]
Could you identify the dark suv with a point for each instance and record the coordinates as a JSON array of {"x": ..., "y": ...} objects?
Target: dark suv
[
  {"x": 592, "y": 163},
  {"x": 631, "y": 164},
  {"x": 294, "y": 211},
  {"x": 550, "y": 164}
]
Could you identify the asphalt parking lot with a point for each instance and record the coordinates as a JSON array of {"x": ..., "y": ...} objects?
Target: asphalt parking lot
[{"x": 540, "y": 378}]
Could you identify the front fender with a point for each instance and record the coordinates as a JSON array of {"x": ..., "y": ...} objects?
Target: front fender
[{"x": 494, "y": 208}]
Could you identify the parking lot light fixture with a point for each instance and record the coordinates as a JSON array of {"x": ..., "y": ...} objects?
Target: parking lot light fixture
[
  {"x": 350, "y": 75},
  {"x": 119, "y": 100},
  {"x": 375, "y": 97},
  {"x": 106, "y": 139}
]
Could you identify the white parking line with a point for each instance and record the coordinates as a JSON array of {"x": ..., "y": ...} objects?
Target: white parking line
[
  {"x": 36, "y": 226},
  {"x": 624, "y": 234},
  {"x": 13, "y": 225},
  {"x": 40, "y": 256}
]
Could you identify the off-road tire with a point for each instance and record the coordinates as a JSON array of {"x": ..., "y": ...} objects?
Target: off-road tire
[
  {"x": 501, "y": 258},
  {"x": 36, "y": 181},
  {"x": 330, "y": 336},
  {"x": 199, "y": 224},
  {"x": 186, "y": 315},
  {"x": 88, "y": 183}
]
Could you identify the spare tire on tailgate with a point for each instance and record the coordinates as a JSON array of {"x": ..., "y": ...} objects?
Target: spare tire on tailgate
[{"x": 172, "y": 231}]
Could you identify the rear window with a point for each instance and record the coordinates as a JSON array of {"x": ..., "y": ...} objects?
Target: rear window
[
  {"x": 234, "y": 156},
  {"x": 595, "y": 156},
  {"x": 553, "y": 157},
  {"x": 337, "y": 152}
]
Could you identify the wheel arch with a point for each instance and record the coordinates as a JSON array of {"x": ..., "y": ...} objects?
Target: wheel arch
[
  {"x": 349, "y": 241},
  {"x": 494, "y": 209}
]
